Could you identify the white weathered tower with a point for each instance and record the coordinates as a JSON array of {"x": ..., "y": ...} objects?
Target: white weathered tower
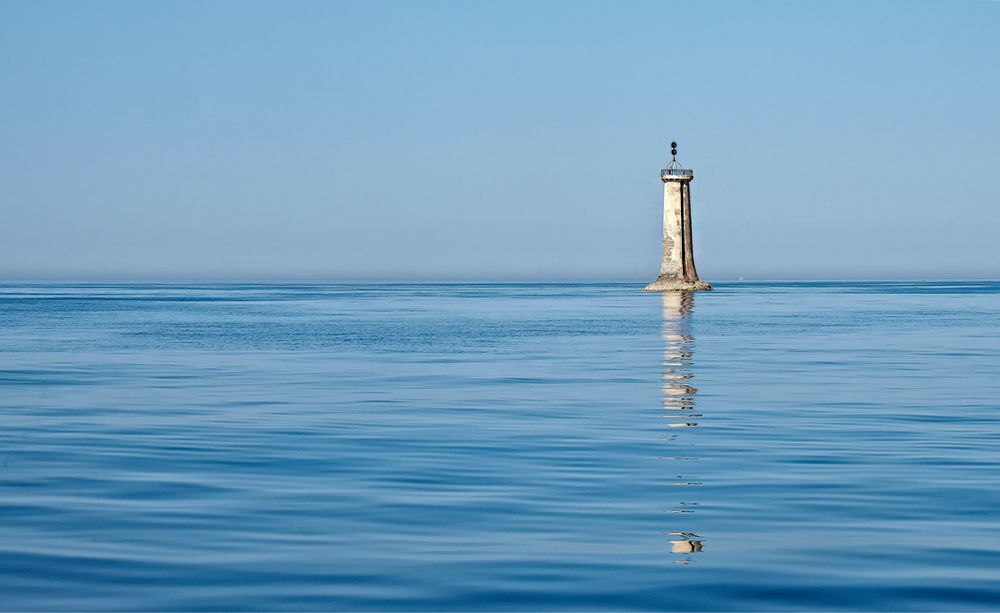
[{"x": 677, "y": 271}]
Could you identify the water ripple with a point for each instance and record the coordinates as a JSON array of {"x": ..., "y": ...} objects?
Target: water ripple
[{"x": 823, "y": 446}]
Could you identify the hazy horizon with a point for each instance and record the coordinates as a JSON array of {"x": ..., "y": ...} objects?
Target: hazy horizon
[
  {"x": 290, "y": 280},
  {"x": 441, "y": 141}
]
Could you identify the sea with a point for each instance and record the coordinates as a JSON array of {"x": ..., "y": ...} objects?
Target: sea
[{"x": 500, "y": 447}]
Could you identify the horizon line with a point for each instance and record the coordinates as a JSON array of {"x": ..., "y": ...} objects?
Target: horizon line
[{"x": 470, "y": 281}]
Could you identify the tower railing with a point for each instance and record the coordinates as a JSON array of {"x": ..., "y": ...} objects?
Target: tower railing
[{"x": 673, "y": 172}]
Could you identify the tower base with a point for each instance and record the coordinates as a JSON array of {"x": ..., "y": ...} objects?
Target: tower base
[{"x": 663, "y": 284}]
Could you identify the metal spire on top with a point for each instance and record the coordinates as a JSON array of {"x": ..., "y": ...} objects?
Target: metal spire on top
[
  {"x": 674, "y": 168},
  {"x": 673, "y": 153}
]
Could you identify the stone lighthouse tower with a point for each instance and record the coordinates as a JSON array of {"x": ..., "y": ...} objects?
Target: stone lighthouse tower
[{"x": 677, "y": 272}]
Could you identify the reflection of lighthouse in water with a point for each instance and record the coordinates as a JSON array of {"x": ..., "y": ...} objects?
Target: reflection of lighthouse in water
[{"x": 679, "y": 406}]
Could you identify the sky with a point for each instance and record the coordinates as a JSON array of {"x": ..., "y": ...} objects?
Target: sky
[{"x": 496, "y": 141}]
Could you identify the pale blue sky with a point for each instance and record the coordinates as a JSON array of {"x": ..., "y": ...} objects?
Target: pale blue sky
[{"x": 496, "y": 141}]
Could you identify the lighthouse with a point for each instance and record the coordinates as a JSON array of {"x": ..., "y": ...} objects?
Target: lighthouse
[{"x": 677, "y": 271}]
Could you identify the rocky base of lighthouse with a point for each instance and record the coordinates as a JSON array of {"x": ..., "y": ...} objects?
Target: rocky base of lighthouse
[{"x": 677, "y": 285}]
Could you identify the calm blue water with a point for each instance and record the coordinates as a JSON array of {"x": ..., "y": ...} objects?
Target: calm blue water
[{"x": 763, "y": 446}]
